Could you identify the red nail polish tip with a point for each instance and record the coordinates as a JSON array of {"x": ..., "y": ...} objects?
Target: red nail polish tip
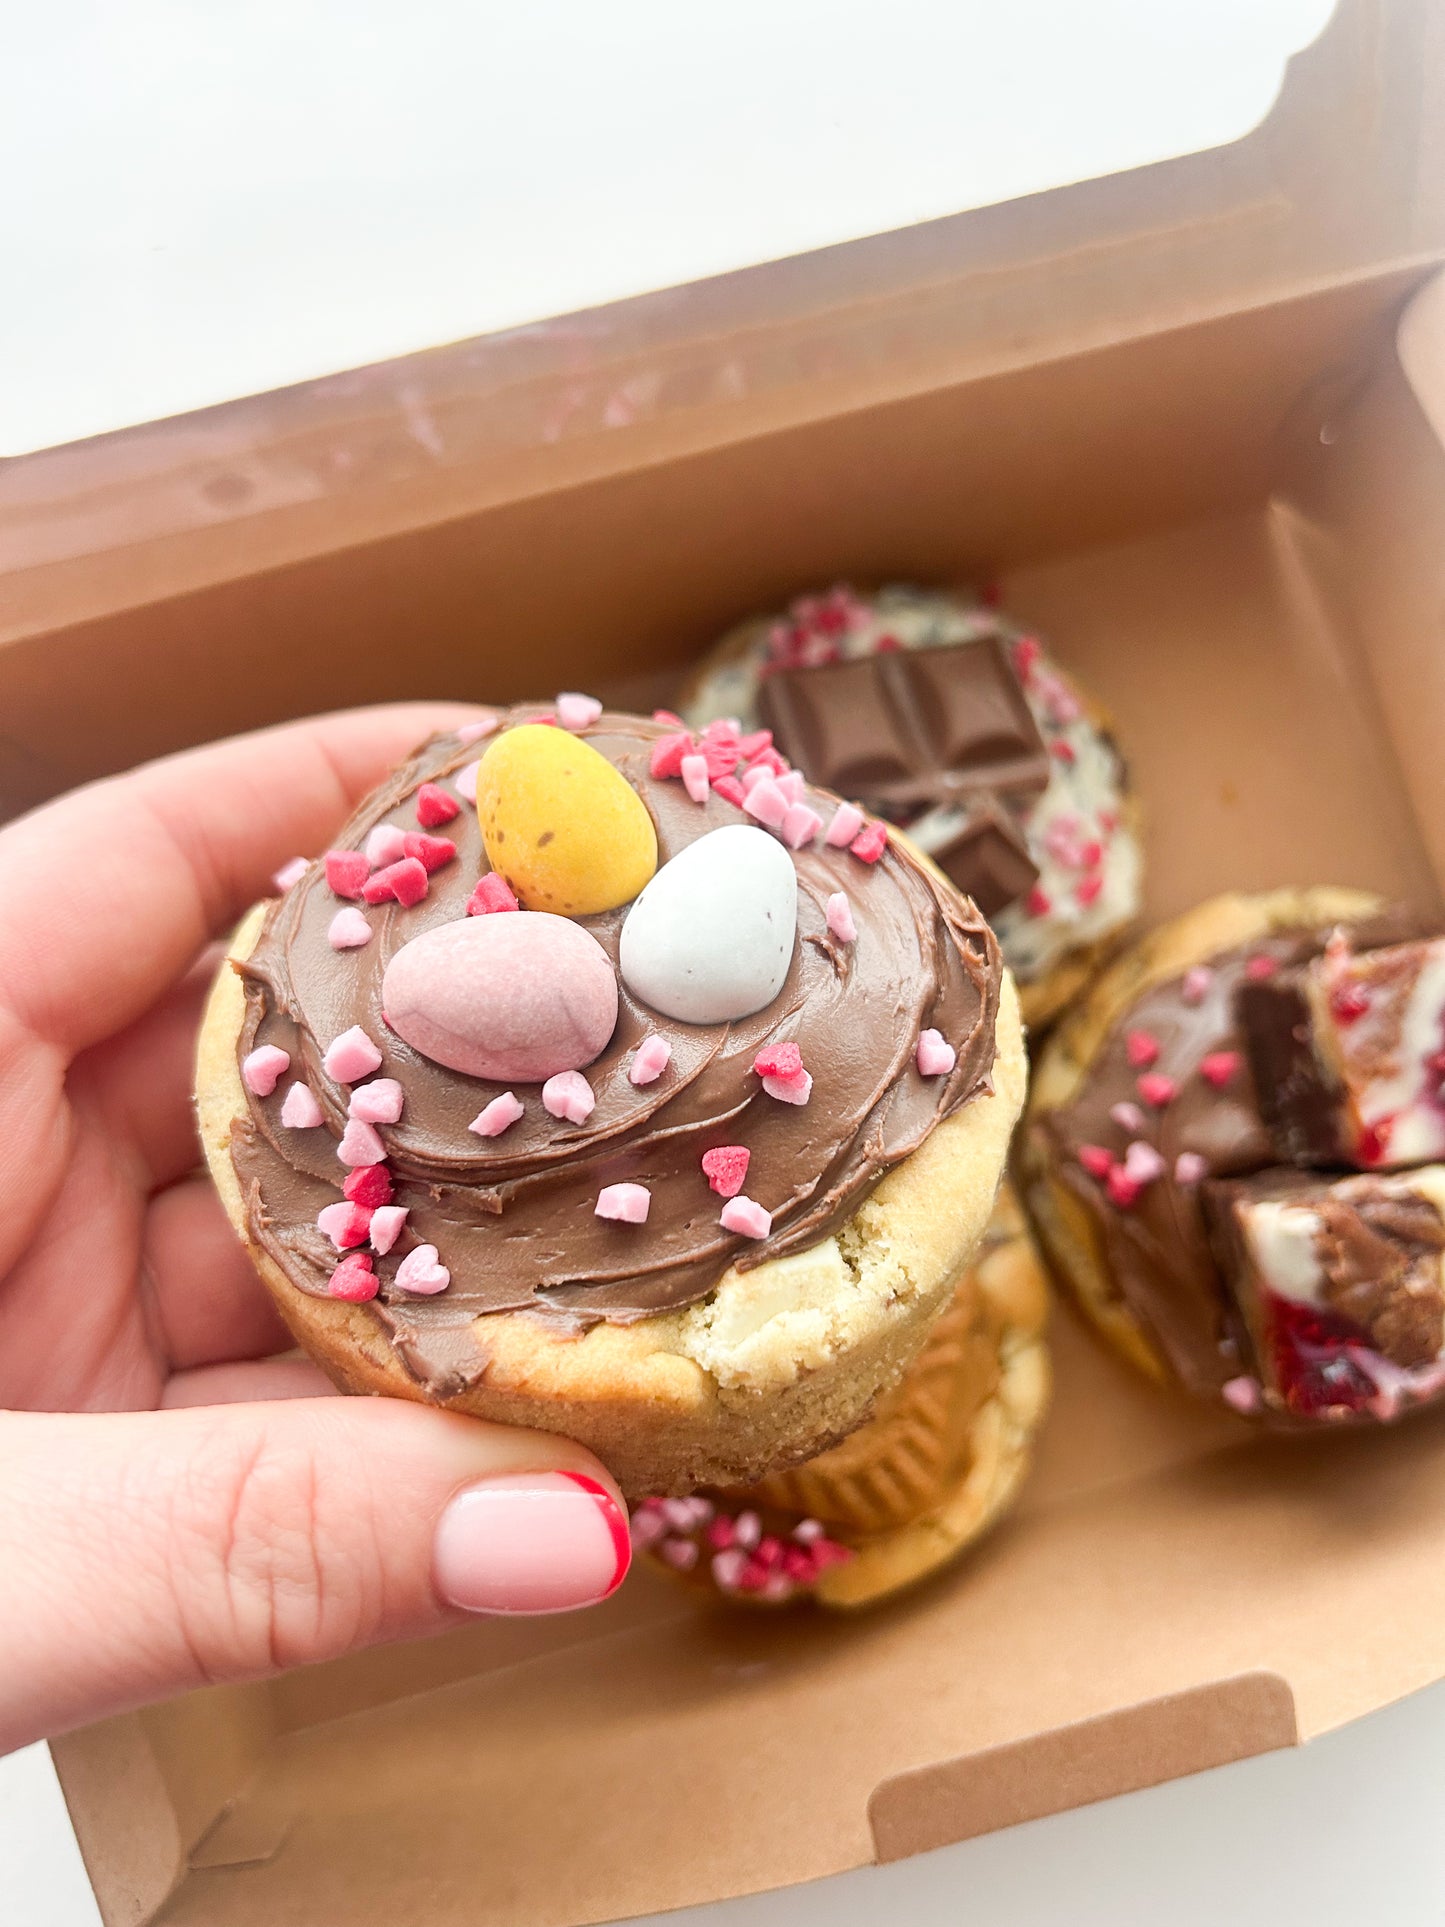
[{"x": 616, "y": 1519}]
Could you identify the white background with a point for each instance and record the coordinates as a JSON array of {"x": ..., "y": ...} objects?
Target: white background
[{"x": 199, "y": 202}]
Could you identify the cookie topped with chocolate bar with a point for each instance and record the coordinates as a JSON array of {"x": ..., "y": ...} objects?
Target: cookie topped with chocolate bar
[
  {"x": 940, "y": 714},
  {"x": 1234, "y": 1156}
]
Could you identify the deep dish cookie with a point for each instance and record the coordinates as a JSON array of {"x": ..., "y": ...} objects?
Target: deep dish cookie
[
  {"x": 953, "y": 721},
  {"x": 682, "y": 1162}
]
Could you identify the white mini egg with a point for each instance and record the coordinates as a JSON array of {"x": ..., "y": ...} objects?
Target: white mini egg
[{"x": 711, "y": 936}]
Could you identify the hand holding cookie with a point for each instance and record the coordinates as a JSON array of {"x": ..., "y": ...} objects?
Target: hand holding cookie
[{"x": 179, "y": 1504}]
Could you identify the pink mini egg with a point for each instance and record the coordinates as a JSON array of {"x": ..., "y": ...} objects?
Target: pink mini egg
[{"x": 515, "y": 999}]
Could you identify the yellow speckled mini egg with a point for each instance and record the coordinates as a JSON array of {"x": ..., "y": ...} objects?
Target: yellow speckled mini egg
[{"x": 561, "y": 824}]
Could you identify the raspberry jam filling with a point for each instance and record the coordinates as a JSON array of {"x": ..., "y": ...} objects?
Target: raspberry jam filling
[{"x": 1314, "y": 1354}]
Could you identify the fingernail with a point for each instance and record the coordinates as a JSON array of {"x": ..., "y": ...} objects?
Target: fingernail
[{"x": 533, "y": 1542}]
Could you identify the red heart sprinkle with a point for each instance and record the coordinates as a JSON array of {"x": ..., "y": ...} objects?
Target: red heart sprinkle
[{"x": 726, "y": 1168}]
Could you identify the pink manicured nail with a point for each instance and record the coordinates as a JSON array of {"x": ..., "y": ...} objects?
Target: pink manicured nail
[{"x": 532, "y": 1542}]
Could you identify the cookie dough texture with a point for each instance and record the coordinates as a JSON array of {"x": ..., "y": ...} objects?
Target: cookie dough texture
[
  {"x": 1068, "y": 1232},
  {"x": 773, "y": 1366}
]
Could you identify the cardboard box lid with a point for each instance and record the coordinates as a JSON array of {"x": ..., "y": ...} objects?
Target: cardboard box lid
[{"x": 1346, "y": 175}]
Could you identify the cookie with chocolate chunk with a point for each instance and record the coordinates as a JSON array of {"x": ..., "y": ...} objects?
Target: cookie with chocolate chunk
[
  {"x": 937, "y": 711},
  {"x": 1209, "y": 1168},
  {"x": 936, "y": 1465},
  {"x": 580, "y": 1088}
]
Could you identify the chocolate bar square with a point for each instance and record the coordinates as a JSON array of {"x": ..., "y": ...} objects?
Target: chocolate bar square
[
  {"x": 1348, "y": 1054},
  {"x": 987, "y": 857},
  {"x": 910, "y": 729}
]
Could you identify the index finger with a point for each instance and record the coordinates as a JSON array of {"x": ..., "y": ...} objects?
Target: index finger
[{"x": 111, "y": 891}]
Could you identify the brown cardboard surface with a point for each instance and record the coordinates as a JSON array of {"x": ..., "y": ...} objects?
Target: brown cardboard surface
[{"x": 1170, "y": 412}]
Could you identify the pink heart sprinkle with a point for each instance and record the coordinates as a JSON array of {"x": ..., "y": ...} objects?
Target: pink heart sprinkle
[
  {"x": 935, "y": 1056},
  {"x": 791, "y": 784},
  {"x": 301, "y": 1112},
  {"x": 847, "y": 821},
  {"x": 360, "y": 1144},
  {"x": 465, "y": 781},
  {"x": 348, "y": 929},
  {"x": 406, "y": 882},
  {"x": 351, "y": 1056},
  {"x": 289, "y": 875},
  {"x": 1219, "y": 1066},
  {"x": 569, "y": 1095},
  {"x": 385, "y": 845},
  {"x": 695, "y": 777},
  {"x": 379, "y": 1102},
  {"x": 1143, "y": 1163},
  {"x": 434, "y": 807},
  {"x": 625, "y": 1203},
  {"x": 1142, "y": 1048},
  {"x": 1156, "y": 1089},
  {"x": 1190, "y": 1168},
  {"x": 261, "y": 1068},
  {"x": 1195, "y": 985},
  {"x": 386, "y": 1223},
  {"x": 474, "y": 732},
  {"x": 344, "y": 1223},
  {"x": 650, "y": 1060},
  {"x": 870, "y": 843},
  {"x": 840, "y": 918},
  {"x": 754, "y": 774},
  {"x": 1127, "y": 1116},
  {"x": 577, "y": 712},
  {"x": 1243, "y": 1394},
  {"x": 682, "y": 1553},
  {"x": 800, "y": 825},
  {"x": 498, "y": 1116},
  {"x": 766, "y": 803},
  {"x": 422, "y": 1272},
  {"x": 346, "y": 872},
  {"x": 727, "y": 1568},
  {"x": 796, "y": 1089},
  {"x": 353, "y": 1279},
  {"x": 748, "y": 1220}
]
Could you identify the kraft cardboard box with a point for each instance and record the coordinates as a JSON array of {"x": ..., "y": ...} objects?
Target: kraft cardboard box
[{"x": 1193, "y": 422}]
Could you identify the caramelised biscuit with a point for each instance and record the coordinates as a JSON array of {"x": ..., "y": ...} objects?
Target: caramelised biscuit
[
  {"x": 1155, "y": 1181},
  {"x": 953, "y": 722},
  {"x": 938, "y": 1462},
  {"x": 503, "y": 1160}
]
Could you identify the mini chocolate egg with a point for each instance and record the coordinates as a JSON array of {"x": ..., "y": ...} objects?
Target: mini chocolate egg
[
  {"x": 561, "y": 824},
  {"x": 711, "y": 937},
  {"x": 515, "y": 998}
]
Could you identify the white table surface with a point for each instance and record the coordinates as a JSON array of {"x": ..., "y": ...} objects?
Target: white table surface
[{"x": 203, "y": 202}]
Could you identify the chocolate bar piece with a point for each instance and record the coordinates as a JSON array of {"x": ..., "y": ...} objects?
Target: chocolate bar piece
[
  {"x": 1348, "y": 1055},
  {"x": 987, "y": 856},
  {"x": 1338, "y": 1281},
  {"x": 910, "y": 729}
]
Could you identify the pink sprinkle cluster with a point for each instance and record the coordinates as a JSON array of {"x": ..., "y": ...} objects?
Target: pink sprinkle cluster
[
  {"x": 740, "y": 1558},
  {"x": 366, "y": 1214},
  {"x": 748, "y": 772},
  {"x": 394, "y": 867},
  {"x": 813, "y": 631}
]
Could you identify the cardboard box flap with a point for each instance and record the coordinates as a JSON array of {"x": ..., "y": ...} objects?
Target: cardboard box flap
[
  {"x": 1102, "y": 1640},
  {"x": 1343, "y": 178}
]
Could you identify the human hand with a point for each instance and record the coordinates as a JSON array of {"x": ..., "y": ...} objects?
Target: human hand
[{"x": 178, "y": 1503}]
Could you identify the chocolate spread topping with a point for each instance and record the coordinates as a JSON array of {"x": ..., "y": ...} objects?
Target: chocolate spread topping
[
  {"x": 512, "y": 1217},
  {"x": 1157, "y": 1251}
]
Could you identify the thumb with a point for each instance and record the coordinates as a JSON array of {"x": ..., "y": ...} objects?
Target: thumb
[{"x": 144, "y": 1553}]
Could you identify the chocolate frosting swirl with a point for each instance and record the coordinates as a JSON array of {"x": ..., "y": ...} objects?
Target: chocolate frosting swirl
[{"x": 512, "y": 1217}]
